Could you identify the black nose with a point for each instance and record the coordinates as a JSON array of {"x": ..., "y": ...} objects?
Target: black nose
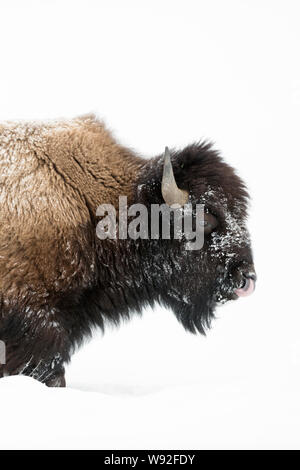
[
  {"x": 243, "y": 273},
  {"x": 249, "y": 273}
]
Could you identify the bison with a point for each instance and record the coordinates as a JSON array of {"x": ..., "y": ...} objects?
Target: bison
[{"x": 58, "y": 280}]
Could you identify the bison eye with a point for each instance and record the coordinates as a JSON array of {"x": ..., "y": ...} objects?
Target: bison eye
[{"x": 209, "y": 223}]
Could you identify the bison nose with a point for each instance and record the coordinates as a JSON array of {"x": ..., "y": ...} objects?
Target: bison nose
[{"x": 248, "y": 283}]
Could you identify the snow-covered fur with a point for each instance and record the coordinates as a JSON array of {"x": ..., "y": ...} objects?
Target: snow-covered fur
[{"x": 58, "y": 280}]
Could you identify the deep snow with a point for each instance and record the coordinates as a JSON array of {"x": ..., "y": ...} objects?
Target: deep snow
[
  {"x": 135, "y": 388},
  {"x": 228, "y": 414}
]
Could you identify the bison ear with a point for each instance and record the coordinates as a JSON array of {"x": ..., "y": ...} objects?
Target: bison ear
[{"x": 173, "y": 196}]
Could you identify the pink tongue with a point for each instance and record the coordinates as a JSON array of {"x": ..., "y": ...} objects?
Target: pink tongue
[{"x": 247, "y": 290}]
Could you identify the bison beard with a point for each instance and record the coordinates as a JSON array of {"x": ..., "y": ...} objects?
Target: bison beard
[{"x": 58, "y": 280}]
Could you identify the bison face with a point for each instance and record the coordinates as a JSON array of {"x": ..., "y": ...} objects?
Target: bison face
[{"x": 193, "y": 283}]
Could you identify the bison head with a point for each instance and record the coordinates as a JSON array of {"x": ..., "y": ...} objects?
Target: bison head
[{"x": 193, "y": 283}]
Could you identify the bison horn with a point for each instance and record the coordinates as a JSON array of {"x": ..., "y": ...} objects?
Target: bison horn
[{"x": 173, "y": 196}]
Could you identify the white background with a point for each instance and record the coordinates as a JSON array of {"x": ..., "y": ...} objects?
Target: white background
[{"x": 169, "y": 73}]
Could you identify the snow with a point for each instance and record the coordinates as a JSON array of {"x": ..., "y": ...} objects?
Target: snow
[
  {"x": 228, "y": 413},
  {"x": 138, "y": 387},
  {"x": 227, "y": 71}
]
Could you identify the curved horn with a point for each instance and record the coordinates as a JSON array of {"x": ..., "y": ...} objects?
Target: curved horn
[{"x": 173, "y": 196}]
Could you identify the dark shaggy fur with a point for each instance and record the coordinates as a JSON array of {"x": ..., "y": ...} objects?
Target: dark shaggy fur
[{"x": 76, "y": 281}]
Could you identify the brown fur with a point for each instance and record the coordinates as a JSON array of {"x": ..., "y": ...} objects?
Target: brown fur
[
  {"x": 58, "y": 175},
  {"x": 58, "y": 281}
]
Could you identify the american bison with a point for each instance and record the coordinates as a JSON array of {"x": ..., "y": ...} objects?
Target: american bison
[{"x": 59, "y": 280}]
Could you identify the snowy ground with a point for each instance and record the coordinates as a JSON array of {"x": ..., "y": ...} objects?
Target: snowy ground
[
  {"x": 169, "y": 73},
  {"x": 228, "y": 414},
  {"x": 151, "y": 385}
]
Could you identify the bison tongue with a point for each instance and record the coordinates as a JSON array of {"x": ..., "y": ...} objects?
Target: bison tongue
[{"x": 247, "y": 289}]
